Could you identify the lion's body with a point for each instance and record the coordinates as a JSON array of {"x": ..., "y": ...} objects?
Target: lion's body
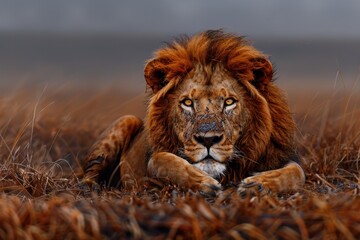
[{"x": 214, "y": 116}]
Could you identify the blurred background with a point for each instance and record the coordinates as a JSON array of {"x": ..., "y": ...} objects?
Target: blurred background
[{"x": 87, "y": 43}]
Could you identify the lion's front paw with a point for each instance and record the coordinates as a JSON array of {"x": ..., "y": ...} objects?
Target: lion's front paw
[
  {"x": 252, "y": 189},
  {"x": 208, "y": 185},
  {"x": 289, "y": 178},
  {"x": 258, "y": 185},
  {"x": 201, "y": 181},
  {"x": 168, "y": 166}
]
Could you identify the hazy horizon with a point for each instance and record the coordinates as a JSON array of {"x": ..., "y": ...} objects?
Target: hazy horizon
[
  {"x": 90, "y": 42},
  {"x": 118, "y": 61}
]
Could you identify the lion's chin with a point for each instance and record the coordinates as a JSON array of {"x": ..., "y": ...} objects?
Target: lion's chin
[{"x": 211, "y": 167}]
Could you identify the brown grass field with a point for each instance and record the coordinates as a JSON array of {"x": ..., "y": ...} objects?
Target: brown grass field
[{"x": 45, "y": 133}]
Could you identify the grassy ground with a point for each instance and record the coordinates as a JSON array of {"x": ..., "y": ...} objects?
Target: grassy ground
[{"x": 44, "y": 134}]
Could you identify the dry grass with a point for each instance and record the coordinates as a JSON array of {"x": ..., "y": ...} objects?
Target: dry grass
[{"x": 45, "y": 133}]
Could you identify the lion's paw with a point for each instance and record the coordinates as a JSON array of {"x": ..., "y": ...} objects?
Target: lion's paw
[
  {"x": 289, "y": 178},
  {"x": 258, "y": 185},
  {"x": 209, "y": 186},
  {"x": 252, "y": 189}
]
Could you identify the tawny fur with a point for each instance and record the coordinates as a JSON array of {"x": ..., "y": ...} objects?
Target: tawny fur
[{"x": 254, "y": 135}]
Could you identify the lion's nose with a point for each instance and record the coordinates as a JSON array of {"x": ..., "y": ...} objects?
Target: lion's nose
[{"x": 208, "y": 141}]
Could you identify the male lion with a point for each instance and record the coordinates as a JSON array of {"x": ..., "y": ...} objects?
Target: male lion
[{"x": 214, "y": 117}]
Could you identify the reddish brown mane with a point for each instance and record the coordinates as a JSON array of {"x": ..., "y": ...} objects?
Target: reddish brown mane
[{"x": 210, "y": 48}]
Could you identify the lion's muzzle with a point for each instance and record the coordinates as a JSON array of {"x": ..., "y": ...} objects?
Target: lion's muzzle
[{"x": 208, "y": 130}]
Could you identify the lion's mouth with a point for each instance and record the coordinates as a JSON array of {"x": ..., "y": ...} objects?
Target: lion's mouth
[{"x": 210, "y": 159}]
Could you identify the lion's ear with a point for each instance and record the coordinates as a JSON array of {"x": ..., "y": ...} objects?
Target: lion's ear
[
  {"x": 262, "y": 72},
  {"x": 155, "y": 74}
]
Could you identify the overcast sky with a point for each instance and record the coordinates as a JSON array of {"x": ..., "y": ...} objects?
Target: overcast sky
[{"x": 271, "y": 18}]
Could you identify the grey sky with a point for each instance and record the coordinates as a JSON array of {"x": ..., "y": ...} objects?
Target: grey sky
[{"x": 274, "y": 18}]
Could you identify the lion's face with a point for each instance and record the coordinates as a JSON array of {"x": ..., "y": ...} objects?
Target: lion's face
[{"x": 209, "y": 116}]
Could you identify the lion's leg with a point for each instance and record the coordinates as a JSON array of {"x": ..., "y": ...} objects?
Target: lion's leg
[
  {"x": 168, "y": 166},
  {"x": 108, "y": 148},
  {"x": 290, "y": 177}
]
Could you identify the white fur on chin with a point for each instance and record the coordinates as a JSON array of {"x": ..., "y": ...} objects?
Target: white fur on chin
[{"x": 211, "y": 167}]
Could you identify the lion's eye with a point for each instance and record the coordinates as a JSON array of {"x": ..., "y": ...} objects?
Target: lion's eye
[
  {"x": 187, "y": 102},
  {"x": 229, "y": 102}
]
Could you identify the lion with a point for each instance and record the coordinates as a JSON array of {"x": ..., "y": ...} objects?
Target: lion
[{"x": 214, "y": 117}]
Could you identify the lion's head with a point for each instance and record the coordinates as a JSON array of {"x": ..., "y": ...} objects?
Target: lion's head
[{"x": 214, "y": 104}]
